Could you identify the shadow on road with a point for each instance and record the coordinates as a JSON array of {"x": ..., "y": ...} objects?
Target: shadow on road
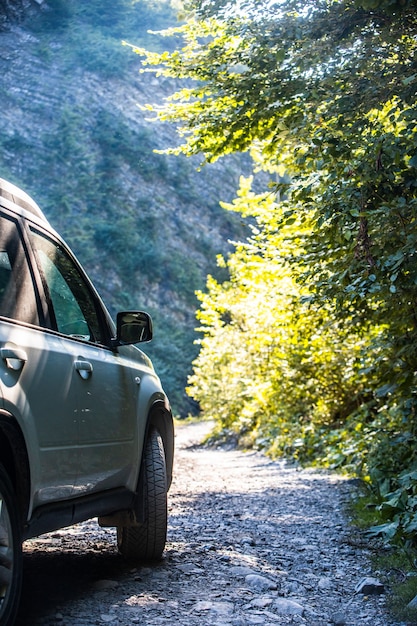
[{"x": 55, "y": 576}]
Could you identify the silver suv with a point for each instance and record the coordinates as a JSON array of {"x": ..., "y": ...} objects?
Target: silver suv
[{"x": 86, "y": 429}]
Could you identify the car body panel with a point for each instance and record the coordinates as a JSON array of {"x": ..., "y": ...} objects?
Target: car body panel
[
  {"x": 41, "y": 398},
  {"x": 107, "y": 420}
]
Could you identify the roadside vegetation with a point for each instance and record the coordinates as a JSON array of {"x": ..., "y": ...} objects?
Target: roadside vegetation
[{"x": 309, "y": 348}]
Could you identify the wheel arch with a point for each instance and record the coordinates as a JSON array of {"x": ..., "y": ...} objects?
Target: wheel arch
[
  {"x": 161, "y": 419},
  {"x": 14, "y": 458}
]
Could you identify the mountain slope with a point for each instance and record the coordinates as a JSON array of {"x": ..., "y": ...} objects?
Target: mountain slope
[{"x": 147, "y": 226}]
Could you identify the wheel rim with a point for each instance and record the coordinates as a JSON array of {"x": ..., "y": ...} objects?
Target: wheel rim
[{"x": 6, "y": 554}]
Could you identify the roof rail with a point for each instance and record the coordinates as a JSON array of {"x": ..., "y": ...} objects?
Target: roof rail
[{"x": 20, "y": 198}]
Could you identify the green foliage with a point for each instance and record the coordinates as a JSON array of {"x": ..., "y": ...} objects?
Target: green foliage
[
  {"x": 132, "y": 254},
  {"x": 396, "y": 564},
  {"x": 171, "y": 351},
  {"x": 57, "y": 14},
  {"x": 404, "y": 589},
  {"x": 274, "y": 368},
  {"x": 310, "y": 348},
  {"x": 91, "y": 33},
  {"x": 118, "y": 142}
]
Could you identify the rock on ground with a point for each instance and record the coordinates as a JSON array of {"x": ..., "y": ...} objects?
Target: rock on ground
[{"x": 250, "y": 541}]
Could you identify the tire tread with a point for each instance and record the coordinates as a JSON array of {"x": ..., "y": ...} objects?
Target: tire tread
[{"x": 146, "y": 542}]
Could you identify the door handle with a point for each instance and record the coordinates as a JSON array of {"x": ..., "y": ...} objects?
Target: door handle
[
  {"x": 84, "y": 368},
  {"x": 15, "y": 358}
]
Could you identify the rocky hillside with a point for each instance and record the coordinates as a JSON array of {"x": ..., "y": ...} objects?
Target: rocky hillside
[{"x": 147, "y": 226}]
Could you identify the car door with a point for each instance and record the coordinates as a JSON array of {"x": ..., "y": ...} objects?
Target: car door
[
  {"x": 105, "y": 389},
  {"x": 35, "y": 373}
]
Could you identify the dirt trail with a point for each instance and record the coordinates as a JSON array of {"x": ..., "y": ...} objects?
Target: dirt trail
[{"x": 250, "y": 542}]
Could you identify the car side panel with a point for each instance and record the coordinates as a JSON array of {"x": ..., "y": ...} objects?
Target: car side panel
[
  {"x": 112, "y": 423},
  {"x": 107, "y": 424},
  {"x": 41, "y": 398}
]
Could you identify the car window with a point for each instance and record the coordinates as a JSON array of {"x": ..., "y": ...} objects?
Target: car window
[
  {"x": 74, "y": 310},
  {"x": 17, "y": 294}
]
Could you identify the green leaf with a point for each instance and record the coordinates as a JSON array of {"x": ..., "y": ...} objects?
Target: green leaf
[
  {"x": 385, "y": 390},
  {"x": 411, "y": 526},
  {"x": 387, "y": 531}
]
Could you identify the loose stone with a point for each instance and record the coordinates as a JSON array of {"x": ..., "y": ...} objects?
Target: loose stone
[
  {"x": 288, "y": 607},
  {"x": 370, "y": 586},
  {"x": 260, "y": 583},
  {"x": 339, "y": 619}
]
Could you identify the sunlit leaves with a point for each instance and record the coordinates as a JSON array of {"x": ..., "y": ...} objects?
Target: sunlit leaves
[
  {"x": 269, "y": 357},
  {"x": 321, "y": 305}
]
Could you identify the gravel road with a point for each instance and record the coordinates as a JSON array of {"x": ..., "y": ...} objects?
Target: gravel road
[{"x": 250, "y": 542}]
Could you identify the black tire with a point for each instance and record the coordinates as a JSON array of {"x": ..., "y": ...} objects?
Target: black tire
[
  {"x": 11, "y": 563},
  {"x": 146, "y": 542}
]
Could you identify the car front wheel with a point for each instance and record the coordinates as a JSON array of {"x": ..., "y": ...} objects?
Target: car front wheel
[
  {"x": 146, "y": 542},
  {"x": 10, "y": 551}
]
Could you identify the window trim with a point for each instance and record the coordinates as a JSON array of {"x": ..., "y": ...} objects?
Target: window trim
[{"x": 26, "y": 251}]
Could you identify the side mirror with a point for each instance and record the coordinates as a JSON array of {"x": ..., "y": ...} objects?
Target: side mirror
[{"x": 133, "y": 327}]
